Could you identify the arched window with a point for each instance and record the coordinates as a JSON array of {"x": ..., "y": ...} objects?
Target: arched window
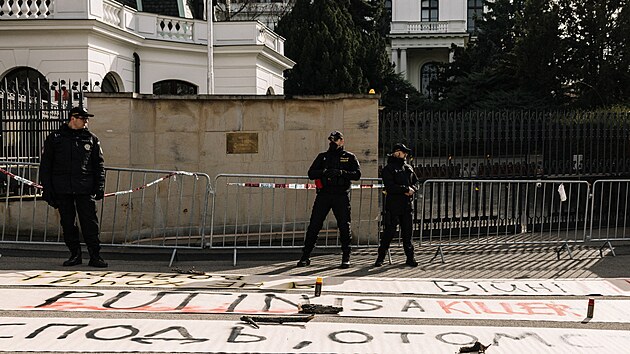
[
  {"x": 110, "y": 84},
  {"x": 428, "y": 73},
  {"x": 270, "y": 91},
  {"x": 174, "y": 87},
  {"x": 23, "y": 75}
]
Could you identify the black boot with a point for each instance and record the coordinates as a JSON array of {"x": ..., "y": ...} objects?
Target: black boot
[
  {"x": 304, "y": 261},
  {"x": 345, "y": 260},
  {"x": 97, "y": 262},
  {"x": 380, "y": 259},
  {"x": 95, "y": 259},
  {"x": 411, "y": 260},
  {"x": 75, "y": 258}
]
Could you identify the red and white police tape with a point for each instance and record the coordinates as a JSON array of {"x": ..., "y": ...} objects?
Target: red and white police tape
[
  {"x": 21, "y": 179},
  {"x": 39, "y": 186},
  {"x": 174, "y": 173},
  {"x": 295, "y": 185}
]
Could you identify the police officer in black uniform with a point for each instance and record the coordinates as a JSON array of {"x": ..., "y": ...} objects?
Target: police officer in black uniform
[
  {"x": 73, "y": 176},
  {"x": 400, "y": 182},
  {"x": 332, "y": 171}
]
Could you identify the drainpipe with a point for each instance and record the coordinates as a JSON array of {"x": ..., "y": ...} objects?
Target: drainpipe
[{"x": 136, "y": 66}]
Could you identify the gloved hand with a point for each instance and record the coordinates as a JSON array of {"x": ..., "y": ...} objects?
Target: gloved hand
[
  {"x": 99, "y": 194},
  {"x": 332, "y": 172},
  {"x": 49, "y": 197}
]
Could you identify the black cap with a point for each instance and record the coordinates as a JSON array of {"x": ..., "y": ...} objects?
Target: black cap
[
  {"x": 79, "y": 112},
  {"x": 401, "y": 147},
  {"x": 335, "y": 135}
]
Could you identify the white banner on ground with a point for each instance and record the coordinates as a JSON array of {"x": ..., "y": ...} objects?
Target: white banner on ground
[
  {"x": 461, "y": 287},
  {"x": 20, "y": 334},
  {"x": 196, "y": 301}
]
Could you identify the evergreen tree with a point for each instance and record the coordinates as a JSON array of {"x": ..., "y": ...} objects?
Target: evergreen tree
[
  {"x": 323, "y": 41},
  {"x": 538, "y": 51},
  {"x": 597, "y": 36},
  {"x": 326, "y": 54},
  {"x": 543, "y": 54},
  {"x": 512, "y": 64},
  {"x": 621, "y": 47}
]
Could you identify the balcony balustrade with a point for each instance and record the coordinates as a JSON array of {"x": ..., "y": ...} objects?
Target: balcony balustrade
[
  {"x": 147, "y": 25},
  {"x": 419, "y": 27}
]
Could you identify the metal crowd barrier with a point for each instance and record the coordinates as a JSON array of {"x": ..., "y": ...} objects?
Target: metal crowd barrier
[
  {"x": 502, "y": 212},
  {"x": 141, "y": 208},
  {"x": 173, "y": 209},
  {"x": 609, "y": 212},
  {"x": 273, "y": 211}
]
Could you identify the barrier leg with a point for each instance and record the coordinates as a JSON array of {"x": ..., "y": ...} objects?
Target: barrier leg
[
  {"x": 568, "y": 248},
  {"x": 234, "y": 261},
  {"x": 610, "y": 247},
  {"x": 439, "y": 251},
  {"x": 389, "y": 256},
  {"x": 173, "y": 257}
]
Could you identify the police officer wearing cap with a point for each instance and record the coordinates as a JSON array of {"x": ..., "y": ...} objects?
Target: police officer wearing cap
[
  {"x": 72, "y": 175},
  {"x": 332, "y": 171},
  {"x": 400, "y": 182}
]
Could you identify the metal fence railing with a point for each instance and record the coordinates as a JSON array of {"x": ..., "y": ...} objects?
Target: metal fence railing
[
  {"x": 273, "y": 211},
  {"x": 510, "y": 144},
  {"x": 502, "y": 212},
  {"x": 141, "y": 208},
  {"x": 30, "y": 110},
  {"x": 175, "y": 210},
  {"x": 610, "y": 211}
]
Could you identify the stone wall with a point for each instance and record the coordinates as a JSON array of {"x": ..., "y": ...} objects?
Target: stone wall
[{"x": 190, "y": 133}]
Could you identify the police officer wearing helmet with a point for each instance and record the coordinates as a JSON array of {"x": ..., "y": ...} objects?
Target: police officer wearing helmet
[
  {"x": 332, "y": 171},
  {"x": 400, "y": 182},
  {"x": 72, "y": 175}
]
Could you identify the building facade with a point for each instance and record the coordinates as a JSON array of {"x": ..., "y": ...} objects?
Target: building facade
[
  {"x": 116, "y": 47},
  {"x": 423, "y": 31}
]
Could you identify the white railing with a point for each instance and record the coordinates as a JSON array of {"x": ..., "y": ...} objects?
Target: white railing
[
  {"x": 12, "y": 9},
  {"x": 418, "y": 27},
  {"x": 177, "y": 29},
  {"x": 111, "y": 13},
  {"x": 147, "y": 25},
  {"x": 270, "y": 39}
]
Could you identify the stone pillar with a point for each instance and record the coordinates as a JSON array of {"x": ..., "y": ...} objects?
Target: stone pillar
[
  {"x": 395, "y": 60},
  {"x": 403, "y": 62}
]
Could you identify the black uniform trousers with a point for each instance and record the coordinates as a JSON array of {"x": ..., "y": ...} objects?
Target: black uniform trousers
[
  {"x": 390, "y": 223},
  {"x": 340, "y": 205},
  {"x": 82, "y": 204}
]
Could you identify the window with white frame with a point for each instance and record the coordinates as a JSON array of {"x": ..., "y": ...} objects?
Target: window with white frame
[
  {"x": 429, "y": 11},
  {"x": 475, "y": 11}
]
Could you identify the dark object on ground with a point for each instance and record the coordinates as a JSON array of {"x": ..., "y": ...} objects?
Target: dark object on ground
[
  {"x": 254, "y": 320},
  {"x": 476, "y": 348},
  {"x": 189, "y": 271},
  {"x": 320, "y": 309}
]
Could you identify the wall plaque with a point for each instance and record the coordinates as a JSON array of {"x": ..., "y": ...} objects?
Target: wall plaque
[{"x": 242, "y": 143}]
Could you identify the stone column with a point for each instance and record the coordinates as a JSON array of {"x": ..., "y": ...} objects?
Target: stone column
[
  {"x": 403, "y": 62},
  {"x": 395, "y": 60}
]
